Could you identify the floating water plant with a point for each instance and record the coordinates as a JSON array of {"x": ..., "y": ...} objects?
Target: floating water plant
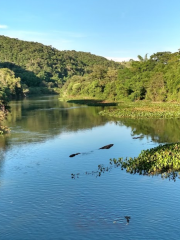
[
  {"x": 144, "y": 110},
  {"x": 164, "y": 160}
]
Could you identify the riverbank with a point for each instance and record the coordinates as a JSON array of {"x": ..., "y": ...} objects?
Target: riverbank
[{"x": 138, "y": 109}]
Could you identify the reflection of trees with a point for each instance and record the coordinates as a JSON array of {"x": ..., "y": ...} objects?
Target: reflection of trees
[
  {"x": 2, "y": 152},
  {"x": 46, "y": 117},
  {"x": 41, "y": 119},
  {"x": 38, "y": 118},
  {"x": 3, "y": 144},
  {"x": 160, "y": 130},
  {"x": 49, "y": 116},
  {"x": 134, "y": 166}
]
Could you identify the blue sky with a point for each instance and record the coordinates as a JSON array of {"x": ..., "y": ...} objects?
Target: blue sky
[{"x": 115, "y": 29}]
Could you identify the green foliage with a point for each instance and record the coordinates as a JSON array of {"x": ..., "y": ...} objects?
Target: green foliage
[
  {"x": 10, "y": 86},
  {"x": 155, "y": 79},
  {"x": 48, "y": 70},
  {"x": 144, "y": 110},
  {"x": 164, "y": 160},
  {"x": 100, "y": 83},
  {"x": 44, "y": 66}
]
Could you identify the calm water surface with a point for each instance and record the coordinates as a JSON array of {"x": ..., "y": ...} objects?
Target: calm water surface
[{"x": 40, "y": 200}]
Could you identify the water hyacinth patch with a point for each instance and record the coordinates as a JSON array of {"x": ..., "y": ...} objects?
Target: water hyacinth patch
[
  {"x": 164, "y": 160},
  {"x": 144, "y": 110}
]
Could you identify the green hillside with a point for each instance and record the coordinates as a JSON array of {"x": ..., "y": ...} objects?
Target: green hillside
[
  {"x": 45, "y": 67},
  {"x": 33, "y": 68}
]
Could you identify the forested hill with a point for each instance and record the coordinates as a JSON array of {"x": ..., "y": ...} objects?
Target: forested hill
[
  {"x": 29, "y": 67},
  {"x": 44, "y": 67}
]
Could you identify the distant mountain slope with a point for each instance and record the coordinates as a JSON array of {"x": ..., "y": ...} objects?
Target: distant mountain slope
[{"x": 44, "y": 66}]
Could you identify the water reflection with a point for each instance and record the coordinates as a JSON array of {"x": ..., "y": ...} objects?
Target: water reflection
[
  {"x": 36, "y": 119},
  {"x": 39, "y": 197},
  {"x": 171, "y": 175},
  {"x": 160, "y": 130}
]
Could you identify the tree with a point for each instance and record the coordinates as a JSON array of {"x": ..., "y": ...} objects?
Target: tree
[{"x": 141, "y": 59}]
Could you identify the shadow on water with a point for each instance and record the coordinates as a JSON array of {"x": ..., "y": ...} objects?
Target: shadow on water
[{"x": 93, "y": 102}]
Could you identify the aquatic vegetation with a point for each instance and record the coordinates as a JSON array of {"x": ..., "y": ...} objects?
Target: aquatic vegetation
[
  {"x": 144, "y": 110},
  {"x": 164, "y": 160},
  {"x": 74, "y": 175},
  {"x": 101, "y": 169}
]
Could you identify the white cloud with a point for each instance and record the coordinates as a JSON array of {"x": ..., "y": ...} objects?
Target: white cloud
[{"x": 3, "y": 26}]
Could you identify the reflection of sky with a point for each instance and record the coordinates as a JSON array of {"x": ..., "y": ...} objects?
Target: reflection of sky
[{"x": 39, "y": 196}]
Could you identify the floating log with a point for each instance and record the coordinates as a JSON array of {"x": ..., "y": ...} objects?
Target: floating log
[
  {"x": 107, "y": 146},
  {"x": 73, "y": 155}
]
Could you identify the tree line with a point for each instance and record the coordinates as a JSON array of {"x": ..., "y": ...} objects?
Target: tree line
[{"x": 156, "y": 78}]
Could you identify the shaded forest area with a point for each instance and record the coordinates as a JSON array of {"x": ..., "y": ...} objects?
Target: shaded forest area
[{"x": 43, "y": 66}]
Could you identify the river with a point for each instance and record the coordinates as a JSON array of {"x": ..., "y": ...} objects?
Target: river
[{"x": 45, "y": 194}]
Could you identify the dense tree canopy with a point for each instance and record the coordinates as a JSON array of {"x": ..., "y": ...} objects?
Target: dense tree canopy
[
  {"x": 10, "y": 86},
  {"x": 44, "y": 66},
  {"x": 154, "y": 79}
]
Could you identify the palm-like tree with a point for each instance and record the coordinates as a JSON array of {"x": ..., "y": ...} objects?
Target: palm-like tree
[{"x": 141, "y": 59}]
